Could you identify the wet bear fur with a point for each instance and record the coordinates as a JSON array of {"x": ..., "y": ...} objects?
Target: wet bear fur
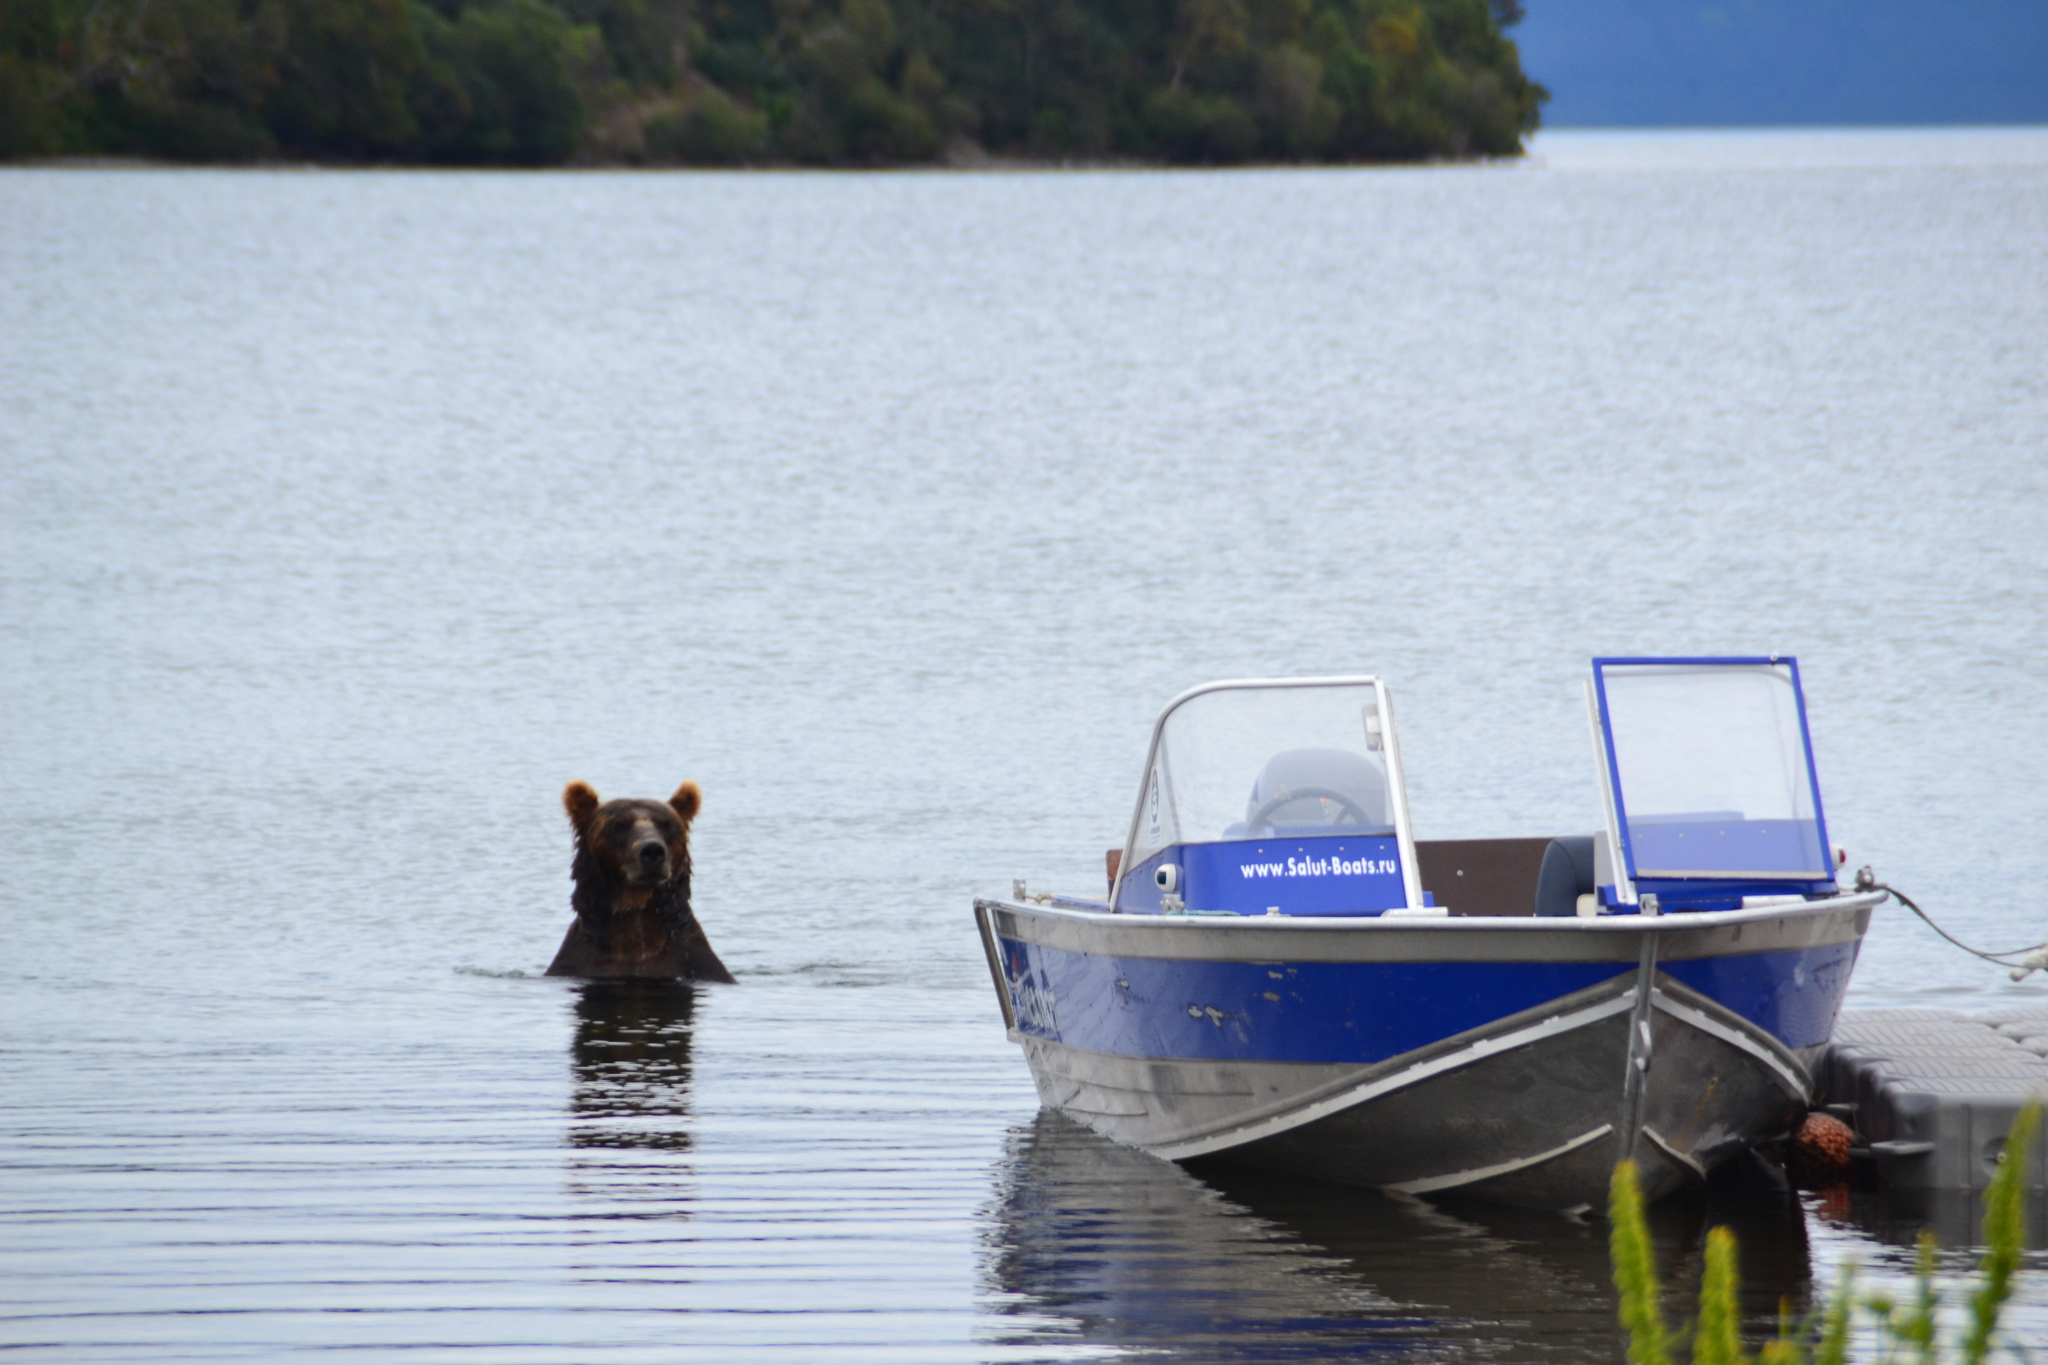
[{"x": 632, "y": 890}]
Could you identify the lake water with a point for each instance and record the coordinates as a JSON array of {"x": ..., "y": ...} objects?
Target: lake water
[{"x": 348, "y": 515}]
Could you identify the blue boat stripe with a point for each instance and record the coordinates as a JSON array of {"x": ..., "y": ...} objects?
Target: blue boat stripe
[
  {"x": 1369, "y": 1012},
  {"x": 1258, "y": 1011},
  {"x": 1793, "y": 996}
]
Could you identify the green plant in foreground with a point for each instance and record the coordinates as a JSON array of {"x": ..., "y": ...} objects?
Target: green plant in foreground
[
  {"x": 1718, "y": 1338},
  {"x": 1635, "y": 1269},
  {"x": 1822, "y": 1338},
  {"x": 2005, "y": 1230}
]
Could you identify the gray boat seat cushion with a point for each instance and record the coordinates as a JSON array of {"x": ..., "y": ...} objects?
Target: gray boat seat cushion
[{"x": 1567, "y": 875}]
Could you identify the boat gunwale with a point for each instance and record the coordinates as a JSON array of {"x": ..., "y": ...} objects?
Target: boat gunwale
[
  {"x": 1410, "y": 923},
  {"x": 1503, "y": 938}
]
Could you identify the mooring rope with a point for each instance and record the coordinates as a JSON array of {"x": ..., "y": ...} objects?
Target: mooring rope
[{"x": 1866, "y": 880}]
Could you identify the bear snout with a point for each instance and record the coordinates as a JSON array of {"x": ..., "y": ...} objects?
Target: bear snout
[{"x": 650, "y": 858}]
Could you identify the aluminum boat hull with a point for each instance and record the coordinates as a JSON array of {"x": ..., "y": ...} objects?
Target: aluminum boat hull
[{"x": 1513, "y": 1059}]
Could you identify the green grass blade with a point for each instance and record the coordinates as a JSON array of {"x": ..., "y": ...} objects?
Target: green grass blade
[
  {"x": 2005, "y": 1231},
  {"x": 1790, "y": 1347},
  {"x": 1833, "y": 1346},
  {"x": 1635, "y": 1270},
  {"x": 1916, "y": 1329},
  {"x": 1718, "y": 1340}
]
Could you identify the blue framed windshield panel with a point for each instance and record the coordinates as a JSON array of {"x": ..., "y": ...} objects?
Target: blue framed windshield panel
[{"x": 1710, "y": 763}]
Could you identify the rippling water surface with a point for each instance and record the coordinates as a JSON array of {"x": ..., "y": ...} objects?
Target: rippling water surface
[{"x": 348, "y": 515}]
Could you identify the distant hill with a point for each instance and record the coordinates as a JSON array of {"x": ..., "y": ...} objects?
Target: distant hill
[
  {"x": 761, "y": 82},
  {"x": 1648, "y": 63}
]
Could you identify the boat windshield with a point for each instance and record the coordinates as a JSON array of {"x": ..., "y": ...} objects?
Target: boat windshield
[
  {"x": 1712, "y": 772},
  {"x": 1265, "y": 760}
]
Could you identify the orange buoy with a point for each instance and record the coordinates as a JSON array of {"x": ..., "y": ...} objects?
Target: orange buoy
[{"x": 1820, "y": 1149}]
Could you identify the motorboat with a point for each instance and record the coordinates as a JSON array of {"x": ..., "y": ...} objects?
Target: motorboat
[{"x": 1283, "y": 976}]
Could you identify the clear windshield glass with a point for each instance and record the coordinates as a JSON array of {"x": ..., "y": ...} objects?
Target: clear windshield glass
[
  {"x": 1259, "y": 762},
  {"x": 1715, "y": 777}
]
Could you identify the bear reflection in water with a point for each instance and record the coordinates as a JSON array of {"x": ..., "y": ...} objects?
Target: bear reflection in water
[
  {"x": 631, "y": 1065},
  {"x": 1089, "y": 1243}
]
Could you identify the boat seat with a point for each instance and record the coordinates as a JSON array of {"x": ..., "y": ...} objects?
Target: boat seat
[{"x": 1567, "y": 874}]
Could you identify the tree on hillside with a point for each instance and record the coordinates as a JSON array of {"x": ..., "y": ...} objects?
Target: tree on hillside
[{"x": 816, "y": 82}]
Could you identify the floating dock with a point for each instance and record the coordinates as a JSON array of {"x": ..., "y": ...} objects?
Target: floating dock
[{"x": 1934, "y": 1092}]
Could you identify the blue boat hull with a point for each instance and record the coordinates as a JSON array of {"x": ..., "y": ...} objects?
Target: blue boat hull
[{"x": 1514, "y": 1059}]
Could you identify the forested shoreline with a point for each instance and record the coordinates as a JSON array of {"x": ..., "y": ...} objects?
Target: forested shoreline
[{"x": 761, "y": 82}]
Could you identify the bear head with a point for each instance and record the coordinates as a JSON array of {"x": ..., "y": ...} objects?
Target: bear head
[
  {"x": 639, "y": 843},
  {"x": 631, "y": 891}
]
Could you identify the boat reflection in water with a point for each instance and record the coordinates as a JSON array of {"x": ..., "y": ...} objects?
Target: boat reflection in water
[{"x": 1092, "y": 1244}]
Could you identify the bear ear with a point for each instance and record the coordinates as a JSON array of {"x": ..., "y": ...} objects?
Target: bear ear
[
  {"x": 581, "y": 802},
  {"x": 686, "y": 801}
]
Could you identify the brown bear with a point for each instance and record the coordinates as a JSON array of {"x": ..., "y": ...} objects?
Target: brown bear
[{"x": 632, "y": 894}]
